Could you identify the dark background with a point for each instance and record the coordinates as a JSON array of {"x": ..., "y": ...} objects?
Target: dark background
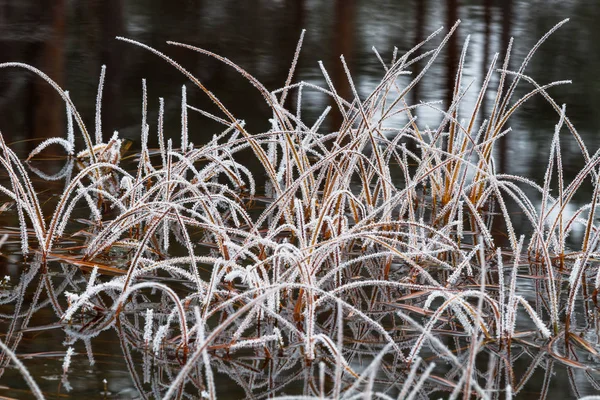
[{"x": 70, "y": 40}]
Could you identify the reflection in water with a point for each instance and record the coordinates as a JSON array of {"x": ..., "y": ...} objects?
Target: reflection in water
[
  {"x": 70, "y": 40},
  {"x": 487, "y": 33},
  {"x": 109, "y": 14},
  {"x": 266, "y": 48},
  {"x": 451, "y": 61},
  {"x": 504, "y": 43},
  {"x": 46, "y": 111},
  {"x": 343, "y": 45},
  {"x": 420, "y": 11}
]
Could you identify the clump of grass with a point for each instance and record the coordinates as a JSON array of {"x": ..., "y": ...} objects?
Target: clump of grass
[{"x": 374, "y": 242}]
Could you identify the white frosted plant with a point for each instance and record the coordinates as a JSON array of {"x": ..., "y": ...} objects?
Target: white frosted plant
[
  {"x": 160, "y": 335},
  {"x": 98, "y": 129},
  {"x": 68, "y": 144},
  {"x": 148, "y": 326},
  {"x": 67, "y": 360},
  {"x": 35, "y": 389},
  {"x": 327, "y": 238},
  {"x": 184, "y": 120}
]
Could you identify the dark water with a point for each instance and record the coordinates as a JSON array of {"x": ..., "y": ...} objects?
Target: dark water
[{"x": 70, "y": 40}]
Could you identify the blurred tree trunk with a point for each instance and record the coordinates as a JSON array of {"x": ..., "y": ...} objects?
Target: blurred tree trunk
[
  {"x": 506, "y": 32},
  {"x": 112, "y": 24},
  {"x": 343, "y": 43},
  {"x": 499, "y": 226},
  {"x": 297, "y": 23},
  {"x": 46, "y": 113},
  {"x": 420, "y": 12},
  {"x": 452, "y": 46},
  {"x": 487, "y": 22}
]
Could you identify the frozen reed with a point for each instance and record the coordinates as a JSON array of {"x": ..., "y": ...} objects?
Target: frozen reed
[{"x": 371, "y": 241}]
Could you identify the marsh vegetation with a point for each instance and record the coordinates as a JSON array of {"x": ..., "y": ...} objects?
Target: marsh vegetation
[{"x": 377, "y": 259}]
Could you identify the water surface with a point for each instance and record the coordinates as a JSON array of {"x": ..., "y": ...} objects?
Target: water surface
[{"x": 70, "y": 40}]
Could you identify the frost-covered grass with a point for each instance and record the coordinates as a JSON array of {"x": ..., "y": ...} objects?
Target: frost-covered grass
[{"x": 372, "y": 256}]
